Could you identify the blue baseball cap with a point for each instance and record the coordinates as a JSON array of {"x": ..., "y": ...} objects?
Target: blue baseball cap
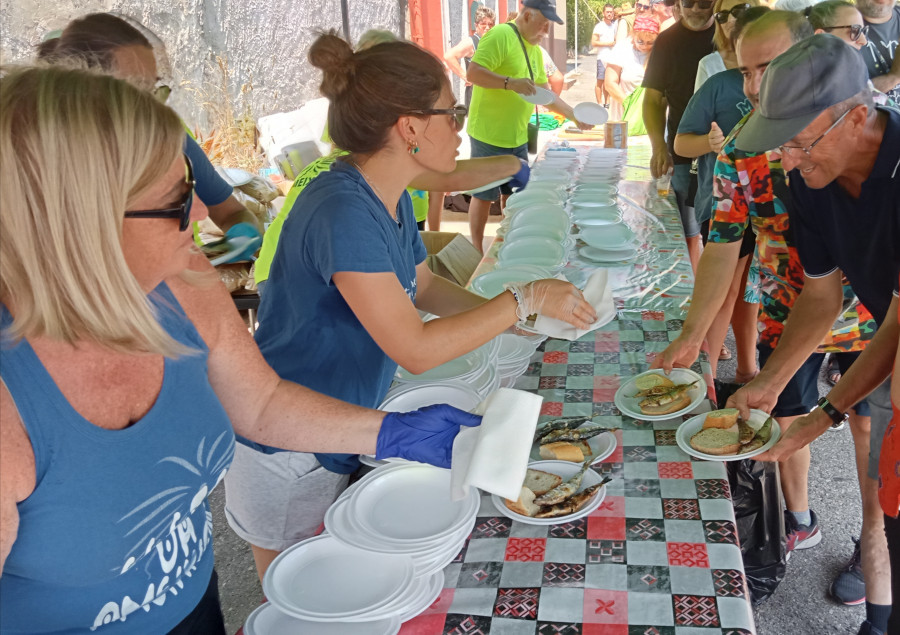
[{"x": 546, "y": 7}]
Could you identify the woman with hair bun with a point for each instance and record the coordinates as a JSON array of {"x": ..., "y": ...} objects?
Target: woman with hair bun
[{"x": 340, "y": 308}]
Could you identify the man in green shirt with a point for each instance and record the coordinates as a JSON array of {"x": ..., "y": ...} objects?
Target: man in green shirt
[{"x": 498, "y": 116}]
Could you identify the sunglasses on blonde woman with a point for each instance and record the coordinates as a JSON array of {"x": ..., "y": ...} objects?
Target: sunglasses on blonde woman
[
  {"x": 736, "y": 11},
  {"x": 458, "y": 114},
  {"x": 181, "y": 212}
]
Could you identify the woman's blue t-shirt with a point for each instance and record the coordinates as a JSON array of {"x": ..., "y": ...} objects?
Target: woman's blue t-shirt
[
  {"x": 721, "y": 99},
  {"x": 307, "y": 332}
]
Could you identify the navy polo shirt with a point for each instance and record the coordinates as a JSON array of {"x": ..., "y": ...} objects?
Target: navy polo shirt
[{"x": 861, "y": 236}]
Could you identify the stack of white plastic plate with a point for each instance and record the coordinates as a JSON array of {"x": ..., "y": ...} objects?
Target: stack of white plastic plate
[
  {"x": 268, "y": 620},
  {"x": 478, "y": 369},
  {"x": 490, "y": 284},
  {"x": 404, "y": 510},
  {"x": 541, "y": 252},
  {"x": 513, "y": 358},
  {"x": 412, "y": 396}
]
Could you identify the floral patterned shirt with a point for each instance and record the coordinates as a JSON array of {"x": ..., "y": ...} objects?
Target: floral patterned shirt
[{"x": 750, "y": 189}]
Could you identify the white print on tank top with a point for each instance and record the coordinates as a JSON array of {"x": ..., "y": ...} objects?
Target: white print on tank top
[{"x": 168, "y": 545}]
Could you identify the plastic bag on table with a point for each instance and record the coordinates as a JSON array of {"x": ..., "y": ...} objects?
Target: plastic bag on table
[{"x": 756, "y": 493}]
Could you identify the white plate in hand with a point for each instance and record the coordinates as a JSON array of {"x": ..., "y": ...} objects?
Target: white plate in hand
[
  {"x": 693, "y": 425},
  {"x": 268, "y": 620},
  {"x": 591, "y": 113},
  {"x": 541, "y": 96},
  {"x": 601, "y": 446},
  {"x": 629, "y": 405},
  {"x": 566, "y": 470}
]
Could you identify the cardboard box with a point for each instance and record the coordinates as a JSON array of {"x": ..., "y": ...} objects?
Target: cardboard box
[{"x": 451, "y": 256}]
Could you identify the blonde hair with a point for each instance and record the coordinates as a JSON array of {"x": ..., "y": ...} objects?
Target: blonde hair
[
  {"x": 722, "y": 42},
  {"x": 78, "y": 148}
]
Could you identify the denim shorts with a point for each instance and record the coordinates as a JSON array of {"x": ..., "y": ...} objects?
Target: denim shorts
[
  {"x": 481, "y": 149},
  {"x": 802, "y": 392},
  {"x": 681, "y": 184},
  {"x": 601, "y": 68},
  {"x": 844, "y": 361}
]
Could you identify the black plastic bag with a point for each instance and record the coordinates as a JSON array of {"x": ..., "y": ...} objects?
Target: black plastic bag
[
  {"x": 756, "y": 493},
  {"x": 758, "y": 504}
]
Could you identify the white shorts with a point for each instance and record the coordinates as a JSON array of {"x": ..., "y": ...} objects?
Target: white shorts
[{"x": 276, "y": 500}]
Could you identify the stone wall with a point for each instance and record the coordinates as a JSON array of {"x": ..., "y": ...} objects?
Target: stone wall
[{"x": 264, "y": 41}]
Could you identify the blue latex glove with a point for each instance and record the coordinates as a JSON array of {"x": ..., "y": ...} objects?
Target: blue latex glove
[
  {"x": 243, "y": 231},
  {"x": 425, "y": 435},
  {"x": 520, "y": 178}
]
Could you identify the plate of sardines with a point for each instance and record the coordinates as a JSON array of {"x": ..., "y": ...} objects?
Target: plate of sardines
[
  {"x": 655, "y": 396},
  {"x": 575, "y": 439},
  {"x": 555, "y": 492},
  {"x": 722, "y": 435}
]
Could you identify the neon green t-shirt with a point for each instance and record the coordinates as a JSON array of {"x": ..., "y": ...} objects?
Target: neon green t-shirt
[
  {"x": 307, "y": 174},
  {"x": 273, "y": 232},
  {"x": 497, "y": 116}
]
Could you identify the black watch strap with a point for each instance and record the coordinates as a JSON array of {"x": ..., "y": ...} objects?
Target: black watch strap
[{"x": 833, "y": 413}]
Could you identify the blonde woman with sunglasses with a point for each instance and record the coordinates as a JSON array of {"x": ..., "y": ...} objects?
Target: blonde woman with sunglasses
[{"x": 126, "y": 371}]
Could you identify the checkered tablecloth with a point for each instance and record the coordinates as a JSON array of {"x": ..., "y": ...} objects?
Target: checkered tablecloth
[{"x": 660, "y": 555}]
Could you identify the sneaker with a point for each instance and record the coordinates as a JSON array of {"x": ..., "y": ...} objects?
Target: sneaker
[
  {"x": 838, "y": 426},
  {"x": 849, "y": 587},
  {"x": 868, "y": 629},
  {"x": 802, "y": 536}
]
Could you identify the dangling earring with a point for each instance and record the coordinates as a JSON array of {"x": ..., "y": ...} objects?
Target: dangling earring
[{"x": 412, "y": 147}]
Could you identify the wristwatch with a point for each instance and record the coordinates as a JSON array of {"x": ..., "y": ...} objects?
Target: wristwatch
[{"x": 836, "y": 416}]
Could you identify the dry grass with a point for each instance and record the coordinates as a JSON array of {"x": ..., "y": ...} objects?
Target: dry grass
[{"x": 232, "y": 141}]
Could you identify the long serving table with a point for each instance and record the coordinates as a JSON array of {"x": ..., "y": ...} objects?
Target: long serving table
[{"x": 660, "y": 556}]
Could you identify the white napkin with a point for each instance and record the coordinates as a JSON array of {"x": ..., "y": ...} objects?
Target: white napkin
[
  {"x": 494, "y": 455},
  {"x": 598, "y": 293}
]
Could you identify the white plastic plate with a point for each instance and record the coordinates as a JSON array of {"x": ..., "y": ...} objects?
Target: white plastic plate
[
  {"x": 693, "y": 425},
  {"x": 628, "y": 405}
]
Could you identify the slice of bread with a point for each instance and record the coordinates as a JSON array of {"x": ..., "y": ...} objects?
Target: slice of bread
[
  {"x": 585, "y": 448},
  {"x": 723, "y": 419},
  {"x": 675, "y": 405},
  {"x": 541, "y": 482},
  {"x": 717, "y": 441},
  {"x": 646, "y": 382},
  {"x": 524, "y": 504},
  {"x": 562, "y": 451}
]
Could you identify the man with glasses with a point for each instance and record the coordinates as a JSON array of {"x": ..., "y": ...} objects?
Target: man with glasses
[
  {"x": 604, "y": 39},
  {"x": 880, "y": 52},
  {"x": 669, "y": 82},
  {"x": 843, "y": 156},
  {"x": 750, "y": 194}
]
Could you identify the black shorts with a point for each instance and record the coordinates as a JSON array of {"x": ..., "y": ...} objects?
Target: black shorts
[
  {"x": 206, "y": 618},
  {"x": 802, "y": 391}
]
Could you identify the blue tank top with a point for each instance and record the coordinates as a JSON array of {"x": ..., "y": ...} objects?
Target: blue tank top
[{"x": 116, "y": 537}]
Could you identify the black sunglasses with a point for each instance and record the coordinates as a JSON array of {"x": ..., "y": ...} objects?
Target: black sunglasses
[
  {"x": 458, "y": 113},
  {"x": 703, "y": 4},
  {"x": 182, "y": 212},
  {"x": 737, "y": 10},
  {"x": 642, "y": 7},
  {"x": 855, "y": 30}
]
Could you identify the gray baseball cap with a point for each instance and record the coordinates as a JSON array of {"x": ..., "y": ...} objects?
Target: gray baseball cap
[
  {"x": 546, "y": 7},
  {"x": 799, "y": 85}
]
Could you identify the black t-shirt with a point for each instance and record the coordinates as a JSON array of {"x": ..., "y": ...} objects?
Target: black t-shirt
[
  {"x": 881, "y": 48},
  {"x": 672, "y": 69},
  {"x": 861, "y": 237}
]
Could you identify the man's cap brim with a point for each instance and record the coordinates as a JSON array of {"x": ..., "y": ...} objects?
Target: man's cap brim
[
  {"x": 761, "y": 134},
  {"x": 551, "y": 15}
]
